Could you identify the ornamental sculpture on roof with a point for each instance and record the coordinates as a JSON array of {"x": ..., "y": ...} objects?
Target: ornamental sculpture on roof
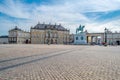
[{"x": 80, "y": 29}]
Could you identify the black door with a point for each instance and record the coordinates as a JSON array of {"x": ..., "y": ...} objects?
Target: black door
[{"x": 118, "y": 42}]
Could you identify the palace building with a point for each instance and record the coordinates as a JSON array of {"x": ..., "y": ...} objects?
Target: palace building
[
  {"x": 18, "y": 36},
  {"x": 49, "y": 34},
  {"x": 99, "y": 38}
]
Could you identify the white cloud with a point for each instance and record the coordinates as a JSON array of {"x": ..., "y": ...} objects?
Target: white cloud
[
  {"x": 99, "y": 27},
  {"x": 69, "y": 13},
  {"x": 13, "y": 9},
  {"x": 94, "y": 6}
]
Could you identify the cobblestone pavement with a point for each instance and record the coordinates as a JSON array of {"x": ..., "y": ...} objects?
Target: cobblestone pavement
[{"x": 59, "y": 62}]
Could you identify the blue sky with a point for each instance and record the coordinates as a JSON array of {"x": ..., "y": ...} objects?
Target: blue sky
[{"x": 95, "y": 15}]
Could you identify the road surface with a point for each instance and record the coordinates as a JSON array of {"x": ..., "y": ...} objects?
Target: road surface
[{"x": 59, "y": 62}]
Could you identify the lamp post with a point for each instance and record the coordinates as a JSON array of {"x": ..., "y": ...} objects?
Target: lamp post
[
  {"x": 105, "y": 36},
  {"x": 48, "y": 37}
]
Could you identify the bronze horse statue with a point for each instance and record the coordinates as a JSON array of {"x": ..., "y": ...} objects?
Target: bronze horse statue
[{"x": 80, "y": 29}]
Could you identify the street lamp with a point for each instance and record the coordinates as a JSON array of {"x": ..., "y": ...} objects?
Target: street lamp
[
  {"x": 105, "y": 36},
  {"x": 48, "y": 37}
]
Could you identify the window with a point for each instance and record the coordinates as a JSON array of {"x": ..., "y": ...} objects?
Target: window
[
  {"x": 46, "y": 34},
  {"x": 76, "y": 38},
  {"x": 51, "y": 35}
]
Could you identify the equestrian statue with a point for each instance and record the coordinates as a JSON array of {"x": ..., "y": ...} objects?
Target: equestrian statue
[{"x": 80, "y": 29}]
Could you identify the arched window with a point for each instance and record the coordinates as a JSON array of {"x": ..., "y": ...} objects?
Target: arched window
[
  {"x": 51, "y": 35},
  {"x": 55, "y": 35},
  {"x": 76, "y": 38}
]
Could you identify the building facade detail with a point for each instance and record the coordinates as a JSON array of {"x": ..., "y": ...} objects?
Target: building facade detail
[
  {"x": 99, "y": 38},
  {"x": 49, "y": 34},
  {"x": 18, "y": 36}
]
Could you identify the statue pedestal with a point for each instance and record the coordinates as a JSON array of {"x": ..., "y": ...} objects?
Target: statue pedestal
[{"x": 80, "y": 38}]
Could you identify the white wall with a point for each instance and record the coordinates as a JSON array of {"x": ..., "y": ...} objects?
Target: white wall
[{"x": 3, "y": 40}]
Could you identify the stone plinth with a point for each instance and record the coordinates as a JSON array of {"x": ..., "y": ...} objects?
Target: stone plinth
[{"x": 80, "y": 38}]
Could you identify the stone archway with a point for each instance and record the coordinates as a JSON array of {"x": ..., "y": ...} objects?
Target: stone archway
[
  {"x": 51, "y": 41},
  {"x": 56, "y": 41},
  {"x": 118, "y": 42},
  {"x": 27, "y": 41}
]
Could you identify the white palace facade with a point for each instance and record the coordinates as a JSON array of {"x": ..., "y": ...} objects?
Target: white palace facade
[{"x": 99, "y": 38}]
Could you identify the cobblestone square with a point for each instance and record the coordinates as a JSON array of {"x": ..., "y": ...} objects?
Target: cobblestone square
[{"x": 59, "y": 62}]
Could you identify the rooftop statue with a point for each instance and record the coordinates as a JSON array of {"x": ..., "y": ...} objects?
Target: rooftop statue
[{"x": 80, "y": 29}]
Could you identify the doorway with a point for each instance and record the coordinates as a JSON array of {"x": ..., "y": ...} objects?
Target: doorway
[{"x": 118, "y": 42}]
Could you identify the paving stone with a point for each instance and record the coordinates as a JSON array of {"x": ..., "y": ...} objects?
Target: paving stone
[{"x": 59, "y": 62}]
